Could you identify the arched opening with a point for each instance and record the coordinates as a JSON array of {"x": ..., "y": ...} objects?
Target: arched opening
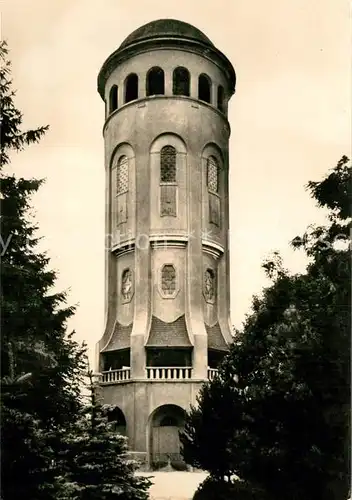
[
  {"x": 221, "y": 98},
  {"x": 181, "y": 81},
  {"x": 117, "y": 419},
  {"x": 113, "y": 98},
  {"x": 155, "y": 81},
  {"x": 131, "y": 88},
  {"x": 204, "y": 88},
  {"x": 164, "y": 446}
]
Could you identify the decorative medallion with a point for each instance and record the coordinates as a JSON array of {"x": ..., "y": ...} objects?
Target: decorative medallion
[
  {"x": 126, "y": 285},
  {"x": 209, "y": 286}
]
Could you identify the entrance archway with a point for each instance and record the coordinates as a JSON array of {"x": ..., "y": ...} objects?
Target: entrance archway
[
  {"x": 164, "y": 445},
  {"x": 116, "y": 416}
]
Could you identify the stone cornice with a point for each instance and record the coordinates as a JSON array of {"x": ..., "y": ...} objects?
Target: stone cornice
[
  {"x": 168, "y": 241},
  {"x": 124, "y": 248},
  {"x": 213, "y": 249},
  {"x": 156, "y": 241},
  {"x": 197, "y": 47},
  {"x": 143, "y": 101}
]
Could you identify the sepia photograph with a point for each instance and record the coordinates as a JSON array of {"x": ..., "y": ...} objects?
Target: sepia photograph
[{"x": 175, "y": 250}]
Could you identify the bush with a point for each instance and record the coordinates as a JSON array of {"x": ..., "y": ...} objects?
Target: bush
[
  {"x": 213, "y": 489},
  {"x": 178, "y": 465}
]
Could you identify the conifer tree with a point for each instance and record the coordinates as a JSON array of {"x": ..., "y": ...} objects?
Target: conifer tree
[
  {"x": 40, "y": 364},
  {"x": 93, "y": 463}
]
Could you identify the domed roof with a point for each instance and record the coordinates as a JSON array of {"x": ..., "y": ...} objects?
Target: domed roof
[
  {"x": 165, "y": 33},
  {"x": 166, "y": 28}
]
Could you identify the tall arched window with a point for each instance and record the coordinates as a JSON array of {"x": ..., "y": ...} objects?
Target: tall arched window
[
  {"x": 204, "y": 88},
  {"x": 212, "y": 174},
  {"x": 168, "y": 279},
  {"x": 181, "y": 81},
  {"x": 131, "y": 87},
  {"x": 113, "y": 98},
  {"x": 221, "y": 98},
  {"x": 122, "y": 175},
  {"x": 155, "y": 81},
  {"x": 213, "y": 190},
  {"x": 168, "y": 180},
  {"x": 168, "y": 164}
]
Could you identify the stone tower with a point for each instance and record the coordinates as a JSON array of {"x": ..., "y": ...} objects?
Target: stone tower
[{"x": 166, "y": 91}]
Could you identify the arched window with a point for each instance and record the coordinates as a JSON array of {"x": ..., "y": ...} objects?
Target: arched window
[
  {"x": 212, "y": 175},
  {"x": 113, "y": 98},
  {"x": 168, "y": 187},
  {"x": 221, "y": 98},
  {"x": 181, "y": 81},
  {"x": 155, "y": 81},
  {"x": 168, "y": 279},
  {"x": 131, "y": 87},
  {"x": 168, "y": 164},
  {"x": 116, "y": 415},
  {"x": 120, "y": 189},
  {"x": 204, "y": 88},
  {"x": 213, "y": 190},
  {"x": 117, "y": 420}
]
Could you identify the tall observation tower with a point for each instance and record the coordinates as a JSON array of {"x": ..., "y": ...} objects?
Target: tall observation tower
[{"x": 166, "y": 91}]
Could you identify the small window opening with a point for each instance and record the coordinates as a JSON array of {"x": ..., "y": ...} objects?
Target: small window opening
[
  {"x": 204, "y": 88},
  {"x": 131, "y": 88},
  {"x": 181, "y": 81},
  {"x": 155, "y": 82},
  {"x": 113, "y": 99}
]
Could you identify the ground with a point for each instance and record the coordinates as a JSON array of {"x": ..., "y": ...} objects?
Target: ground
[{"x": 174, "y": 485}]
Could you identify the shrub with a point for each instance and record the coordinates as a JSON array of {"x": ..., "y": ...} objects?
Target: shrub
[{"x": 213, "y": 489}]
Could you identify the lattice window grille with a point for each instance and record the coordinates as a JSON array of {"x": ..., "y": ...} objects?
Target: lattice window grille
[
  {"x": 212, "y": 174},
  {"x": 122, "y": 175},
  {"x": 168, "y": 164}
]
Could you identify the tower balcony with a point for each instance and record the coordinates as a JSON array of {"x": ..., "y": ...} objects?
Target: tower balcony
[{"x": 152, "y": 373}]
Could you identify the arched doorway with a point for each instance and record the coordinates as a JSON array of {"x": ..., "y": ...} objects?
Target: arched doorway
[
  {"x": 164, "y": 445},
  {"x": 116, "y": 416}
]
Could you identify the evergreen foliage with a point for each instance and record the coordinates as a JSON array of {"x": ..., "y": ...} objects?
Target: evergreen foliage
[
  {"x": 52, "y": 445},
  {"x": 94, "y": 462},
  {"x": 40, "y": 364},
  {"x": 279, "y": 409}
]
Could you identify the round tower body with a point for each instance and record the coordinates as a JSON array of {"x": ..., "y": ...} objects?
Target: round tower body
[{"x": 166, "y": 92}]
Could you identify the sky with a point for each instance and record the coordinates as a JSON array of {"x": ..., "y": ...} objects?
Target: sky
[{"x": 290, "y": 119}]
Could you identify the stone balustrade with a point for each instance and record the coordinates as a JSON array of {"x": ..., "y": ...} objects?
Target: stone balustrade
[
  {"x": 211, "y": 373},
  {"x": 153, "y": 373},
  {"x": 169, "y": 373},
  {"x": 113, "y": 376}
]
